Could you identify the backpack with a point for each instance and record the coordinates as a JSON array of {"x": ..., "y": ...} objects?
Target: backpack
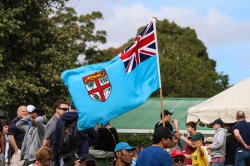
[{"x": 69, "y": 140}]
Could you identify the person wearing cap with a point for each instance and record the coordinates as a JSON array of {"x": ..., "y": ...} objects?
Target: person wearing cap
[
  {"x": 123, "y": 154},
  {"x": 155, "y": 154},
  {"x": 60, "y": 107},
  {"x": 199, "y": 156},
  {"x": 86, "y": 160},
  {"x": 33, "y": 135},
  {"x": 167, "y": 120},
  {"x": 242, "y": 134},
  {"x": 191, "y": 129},
  {"x": 16, "y": 135},
  {"x": 178, "y": 157},
  {"x": 217, "y": 149},
  {"x": 30, "y": 108}
]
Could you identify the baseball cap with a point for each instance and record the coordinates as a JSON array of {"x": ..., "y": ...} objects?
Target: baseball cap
[
  {"x": 123, "y": 145},
  {"x": 217, "y": 121},
  {"x": 88, "y": 157},
  {"x": 177, "y": 152},
  {"x": 197, "y": 136},
  {"x": 30, "y": 108},
  {"x": 166, "y": 112},
  {"x": 162, "y": 132},
  {"x": 209, "y": 140}
]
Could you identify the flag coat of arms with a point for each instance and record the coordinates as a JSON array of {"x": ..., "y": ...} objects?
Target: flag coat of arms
[{"x": 106, "y": 90}]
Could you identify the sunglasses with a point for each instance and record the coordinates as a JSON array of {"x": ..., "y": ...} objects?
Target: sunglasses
[
  {"x": 179, "y": 159},
  {"x": 64, "y": 109}
]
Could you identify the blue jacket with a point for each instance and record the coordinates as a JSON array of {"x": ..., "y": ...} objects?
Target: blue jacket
[{"x": 84, "y": 137}]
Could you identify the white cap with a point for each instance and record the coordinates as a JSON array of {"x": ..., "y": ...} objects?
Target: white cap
[{"x": 30, "y": 108}]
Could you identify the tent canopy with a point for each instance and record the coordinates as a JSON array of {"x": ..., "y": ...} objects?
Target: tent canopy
[
  {"x": 143, "y": 118},
  {"x": 223, "y": 105}
]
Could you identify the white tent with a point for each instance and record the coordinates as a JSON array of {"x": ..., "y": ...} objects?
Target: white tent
[{"x": 223, "y": 105}]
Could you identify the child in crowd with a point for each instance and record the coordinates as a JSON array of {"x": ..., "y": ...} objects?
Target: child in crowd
[
  {"x": 5, "y": 134},
  {"x": 199, "y": 156},
  {"x": 43, "y": 157},
  {"x": 178, "y": 157}
]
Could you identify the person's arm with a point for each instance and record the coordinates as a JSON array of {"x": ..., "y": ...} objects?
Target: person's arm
[
  {"x": 13, "y": 142},
  {"x": 40, "y": 123},
  {"x": 55, "y": 146},
  {"x": 240, "y": 140},
  {"x": 46, "y": 143},
  {"x": 186, "y": 140},
  {"x": 201, "y": 151},
  {"x": 175, "y": 123},
  {"x": 187, "y": 156},
  {"x": 2, "y": 140},
  {"x": 22, "y": 124}
]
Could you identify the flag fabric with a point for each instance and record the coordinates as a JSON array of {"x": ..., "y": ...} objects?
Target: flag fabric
[{"x": 104, "y": 91}]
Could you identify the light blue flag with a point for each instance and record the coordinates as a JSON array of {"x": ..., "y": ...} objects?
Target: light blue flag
[{"x": 104, "y": 91}]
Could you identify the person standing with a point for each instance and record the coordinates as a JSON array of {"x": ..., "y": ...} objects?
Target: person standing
[
  {"x": 242, "y": 134},
  {"x": 68, "y": 141},
  {"x": 218, "y": 148},
  {"x": 60, "y": 108},
  {"x": 33, "y": 135},
  {"x": 16, "y": 136},
  {"x": 155, "y": 154},
  {"x": 107, "y": 138},
  {"x": 123, "y": 154},
  {"x": 199, "y": 156},
  {"x": 191, "y": 129},
  {"x": 167, "y": 120},
  {"x": 231, "y": 146}
]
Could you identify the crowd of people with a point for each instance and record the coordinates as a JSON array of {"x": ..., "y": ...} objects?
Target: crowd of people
[{"x": 31, "y": 139}]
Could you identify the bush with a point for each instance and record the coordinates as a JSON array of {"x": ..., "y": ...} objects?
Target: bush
[{"x": 136, "y": 139}]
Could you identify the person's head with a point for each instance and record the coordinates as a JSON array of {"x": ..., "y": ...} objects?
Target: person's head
[
  {"x": 197, "y": 140},
  {"x": 217, "y": 123},
  {"x": 163, "y": 137},
  {"x": 178, "y": 157},
  {"x": 191, "y": 127},
  {"x": 44, "y": 156},
  {"x": 123, "y": 153},
  {"x": 87, "y": 160},
  {"x": 5, "y": 127},
  {"x": 240, "y": 115},
  {"x": 209, "y": 141},
  {"x": 72, "y": 107},
  {"x": 167, "y": 116},
  {"x": 21, "y": 111},
  {"x": 30, "y": 108},
  {"x": 35, "y": 113},
  {"x": 61, "y": 107}
]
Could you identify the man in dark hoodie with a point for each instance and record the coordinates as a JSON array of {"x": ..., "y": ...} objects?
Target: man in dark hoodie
[{"x": 66, "y": 129}]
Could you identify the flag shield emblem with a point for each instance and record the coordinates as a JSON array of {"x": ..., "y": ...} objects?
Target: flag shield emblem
[{"x": 98, "y": 85}]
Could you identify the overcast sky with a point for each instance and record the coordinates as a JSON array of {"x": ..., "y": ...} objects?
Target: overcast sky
[{"x": 222, "y": 25}]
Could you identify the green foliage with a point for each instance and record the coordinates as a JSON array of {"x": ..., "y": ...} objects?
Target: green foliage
[
  {"x": 186, "y": 69},
  {"x": 39, "y": 40},
  {"x": 136, "y": 139}
]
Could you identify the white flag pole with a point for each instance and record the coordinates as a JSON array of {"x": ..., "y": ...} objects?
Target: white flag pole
[{"x": 159, "y": 73}]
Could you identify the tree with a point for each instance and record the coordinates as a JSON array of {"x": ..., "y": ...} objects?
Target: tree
[
  {"x": 186, "y": 69},
  {"x": 38, "y": 40}
]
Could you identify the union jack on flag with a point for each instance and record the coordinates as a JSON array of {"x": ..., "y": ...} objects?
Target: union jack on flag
[{"x": 143, "y": 48}]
